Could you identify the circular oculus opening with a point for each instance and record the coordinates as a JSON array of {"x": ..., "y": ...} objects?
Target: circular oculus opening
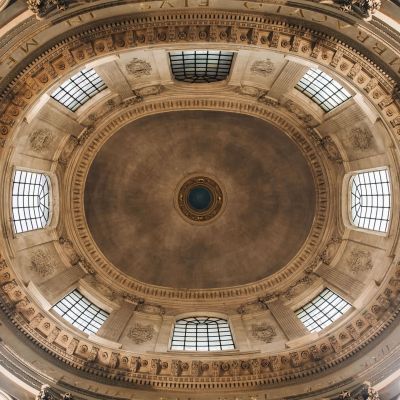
[{"x": 200, "y": 198}]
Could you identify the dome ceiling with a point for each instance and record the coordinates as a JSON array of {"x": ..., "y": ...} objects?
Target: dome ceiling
[
  {"x": 273, "y": 165},
  {"x": 269, "y": 199}
]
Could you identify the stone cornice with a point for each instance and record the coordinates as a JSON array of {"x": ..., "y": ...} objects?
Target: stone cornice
[{"x": 183, "y": 372}]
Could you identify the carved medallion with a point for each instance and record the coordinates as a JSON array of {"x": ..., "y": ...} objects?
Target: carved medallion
[
  {"x": 263, "y": 332},
  {"x": 141, "y": 333},
  {"x": 360, "y": 261},
  {"x": 138, "y": 68},
  {"x": 42, "y": 263},
  {"x": 361, "y": 139},
  {"x": 262, "y": 67},
  {"x": 40, "y": 140}
]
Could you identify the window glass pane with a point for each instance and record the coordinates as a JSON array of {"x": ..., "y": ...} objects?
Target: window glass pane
[
  {"x": 30, "y": 201},
  {"x": 202, "y": 334},
  {"x": 371, "y": 200},
  {"x": 322, "y": 89},
  {"x": 78, "y": 89},
  {"x": 200, "y": 66},
  {"x": 322, "y": 311},
  {"x": 76, "y": 309}
]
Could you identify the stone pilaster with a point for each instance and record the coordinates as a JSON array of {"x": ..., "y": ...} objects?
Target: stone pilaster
[
  {"x": 116, "y": 322},
  {"x": 165, "y": 333},
  {"x": 55, "y": 288},
  {"x": 345, "y": 283},
  {"x": 114, "y": 79},
  {"x": 287, "y": 320},
  {"x": 287, "y": 79}
]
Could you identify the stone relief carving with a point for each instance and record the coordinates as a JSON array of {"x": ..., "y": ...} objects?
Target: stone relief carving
[
  {"x": 263, "y": 332},
  {"x": 101, "y": 287},
  {"x": 141, "y": 333},
  {"x": 327, "y": 255},
  {"x": 149, "y": 91},
  {"x": 138, "y": 68},
  {"x": 361, "y": 139},
  {"x": 42, "y": 263},
  {"x": 301, "y": 284},
  {"x": 366, "y": 392},
  {"x": 364, "y": 8},
  {"x": 262, "y": 67},
  {"x": 327, "y": 144},
  {"x": 360, "y": 261},
  {"x": 40, "y": 140},
  {"x": 42, "y": 7},
  {"x": 151, "y": 308},
  {"x": 250, "y": 307},
  {"x": 292, "y": 107}
]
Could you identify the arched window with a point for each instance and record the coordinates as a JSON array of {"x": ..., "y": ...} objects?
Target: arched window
[
  {"x": 322, "y": 310},
  {"x": 322, "y": 89},
  {"x": 200, "y": 66},
  {"x": 370, "y": 200},
  {"x": 202, "y": 334},
  {"x": 78, "y": 89},
  {"x": 81, "y": 312},
  {"x": 30, "y": 201}
]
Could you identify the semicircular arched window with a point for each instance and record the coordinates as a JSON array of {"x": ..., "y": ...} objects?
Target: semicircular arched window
[
  {"x": 202, "y": 334},
  {"x": 30, "y": 201},
  {"x": 371, "y": 200}
]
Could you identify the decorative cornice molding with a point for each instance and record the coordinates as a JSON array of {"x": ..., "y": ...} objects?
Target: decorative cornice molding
[
  {"x": 111, "y": 122},
  {"x": 237, "y": 371}
]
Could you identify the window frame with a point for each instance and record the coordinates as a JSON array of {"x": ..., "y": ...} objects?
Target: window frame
[
  {"x": 333, "y": 80},
  {"x": 182, "y": 81},
  {"x": 347, "y": 186},
  {"x": 87, "y": 96},
  {"x": 91, "y": 304},
  {"x": 318, "y": 297},
  {"x": 49, "y": 195},
  {"x": 202, "y": 315}
]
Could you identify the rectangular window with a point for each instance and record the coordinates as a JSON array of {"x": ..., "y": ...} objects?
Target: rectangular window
[
  {"x": 78, "y": 89},
  {"x": 322, "y": 310},
  {"x": 200, "y": 66},
  {"x": 80, "y": 312},
  {"x": 322, "y": 89}
]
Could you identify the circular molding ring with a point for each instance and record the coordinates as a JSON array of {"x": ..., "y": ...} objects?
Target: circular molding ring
[
  {"x": 218, "y": 199},
  {"x": 76, "y": 174}
]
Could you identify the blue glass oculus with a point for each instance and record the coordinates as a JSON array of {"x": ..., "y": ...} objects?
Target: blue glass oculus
[{"x": 199, "y": 198}]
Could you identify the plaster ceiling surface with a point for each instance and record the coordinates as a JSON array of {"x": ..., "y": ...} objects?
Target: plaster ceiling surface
[{"x": 269, "y": 195}]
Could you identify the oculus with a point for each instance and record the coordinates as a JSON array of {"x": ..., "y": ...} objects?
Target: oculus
[{"x": 200, "y": 199}]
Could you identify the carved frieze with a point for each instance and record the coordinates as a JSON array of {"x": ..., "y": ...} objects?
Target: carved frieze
[{"x": 141, "y": 333}]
